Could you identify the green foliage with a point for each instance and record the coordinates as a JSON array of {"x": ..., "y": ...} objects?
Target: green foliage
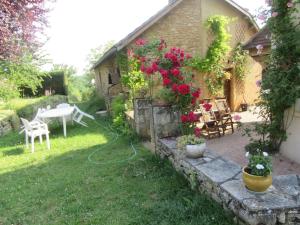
[
  {"x": 239, "y": 60},
  {"x": 27, "y": 108},
  {"x": 17, "y": 75},
  {"x": 260, "y": 164},
  {"x": 191, "y": 139},
  {"x": 123, "y": 64},
  {"x": 166, "y": 95},
  {"x": 281, "y": 78},
  {"x": 80, "y": 88},
  {"x": 120, "y": 122},
  {"x": 134, "y": 79},
  {"x": 96, "y": 53},
  {"x": 214, "y": 62}
]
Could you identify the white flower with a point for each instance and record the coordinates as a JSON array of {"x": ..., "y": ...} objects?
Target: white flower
[
  {"x": 247, "y": 154},
  {"x": 265, "y": 154},
  {"x": 259, "y": 167},
  {"x": 267, "y": 91}
]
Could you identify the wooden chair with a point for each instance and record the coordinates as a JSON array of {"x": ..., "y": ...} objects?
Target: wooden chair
[
  {"x": 224, "y": 115},
  {"x": 211, "y": 124}
]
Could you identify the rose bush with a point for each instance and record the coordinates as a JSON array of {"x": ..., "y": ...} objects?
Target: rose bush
[{"x": 170, "y": 66}]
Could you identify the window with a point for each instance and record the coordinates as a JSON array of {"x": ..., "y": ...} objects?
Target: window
[{"x": 109, "y": 79}]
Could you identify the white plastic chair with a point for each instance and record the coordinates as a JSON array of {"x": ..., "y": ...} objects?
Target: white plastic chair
[
  {"x": 35, "y": 130},
  {"x": 36, "y": 120},
  {"x": 78, "y": 115},
  {"x": 63, "y": 105}
]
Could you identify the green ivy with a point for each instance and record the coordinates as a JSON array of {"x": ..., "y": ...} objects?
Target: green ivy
[
  {"x": 214, "y": 62},
  {"x": 281, "y": 78},
  {"x": 239, "y": 59}
]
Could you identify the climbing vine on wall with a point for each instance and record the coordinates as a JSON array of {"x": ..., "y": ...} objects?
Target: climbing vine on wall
[
  {"x": 214, "y": 62},
  {"x": 281, "y": 78},
  {"x": 131, "y": 76},
  {"x": 239, "y": 59}
]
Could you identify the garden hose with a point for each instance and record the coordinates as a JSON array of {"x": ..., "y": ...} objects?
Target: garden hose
[{"x": 115, "y": 138}]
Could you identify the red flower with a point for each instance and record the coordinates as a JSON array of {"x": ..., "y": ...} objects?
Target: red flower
[
  {"x": 143, "y": 68},
  {"x": 149, "y": 70},
  {"x": 166, "y": 81},
  {"x": 197, "y": 132},
  {"x": 175, "y": 72},
  {"x": 164, "y": 73},
  {"x": 154, "y": 67},
  {"x": 142, "y": 59},
  {"x": 183, "y": 89},
  {"x": 184, "y": 118},
  {"x": 207, "y": 106},
  {"x": 196, "y": 94},
  {"x": 174, "y": 87},
  {"x": 162, "y": 45},
  {"x": 193, "y": 117},
  {"x": 140, "y": 42}
]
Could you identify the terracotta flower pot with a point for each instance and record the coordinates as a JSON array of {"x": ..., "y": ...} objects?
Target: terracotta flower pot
[
  {"x": 195, "y": 151},
  {"x": 256, "y": 183}
]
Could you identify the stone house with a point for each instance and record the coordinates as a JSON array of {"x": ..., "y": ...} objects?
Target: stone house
[{"x": 181, "y": 24}]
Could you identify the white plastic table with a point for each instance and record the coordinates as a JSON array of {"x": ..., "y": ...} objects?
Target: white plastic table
[{"x": 58, "y": 112}]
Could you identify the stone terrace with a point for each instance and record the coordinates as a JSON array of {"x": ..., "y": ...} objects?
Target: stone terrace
[{"x": 221, "y": 179}]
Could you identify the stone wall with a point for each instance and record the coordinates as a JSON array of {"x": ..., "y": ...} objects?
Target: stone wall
[
  {"x": 155, "y": 121},
  {"x": 8, "y": 122},
  {"x": 222, "y": 180},
  {"x": 142, "y": 115}
]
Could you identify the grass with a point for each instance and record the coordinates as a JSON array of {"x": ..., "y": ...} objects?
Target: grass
[{"x": 62, "y": 186}]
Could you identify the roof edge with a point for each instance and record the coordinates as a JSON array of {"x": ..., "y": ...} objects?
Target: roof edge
[
  {"x": 152, "y": 20},
  {"x": 245, "y": 12}
]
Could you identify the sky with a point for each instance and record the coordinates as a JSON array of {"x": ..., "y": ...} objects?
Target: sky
[{"x": 75, "y": 27}]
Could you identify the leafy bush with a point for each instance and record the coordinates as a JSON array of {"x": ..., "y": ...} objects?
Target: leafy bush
[
  {"x": 260, "y": 163},
  {"x": 80, "y": 88},
  {"x": 28, "y": 107},
  {"x": 189, "y": 140},
  {"x": 120, "y": 123}
]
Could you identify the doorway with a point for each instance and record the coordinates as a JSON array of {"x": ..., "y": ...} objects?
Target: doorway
[{"x": 227, "y": 92}]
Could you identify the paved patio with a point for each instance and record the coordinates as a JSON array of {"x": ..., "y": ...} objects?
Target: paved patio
[{"x": 231, "y": 146}]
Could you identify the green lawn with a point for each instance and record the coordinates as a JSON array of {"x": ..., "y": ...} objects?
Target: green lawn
[{"x": 62, "y": 186}]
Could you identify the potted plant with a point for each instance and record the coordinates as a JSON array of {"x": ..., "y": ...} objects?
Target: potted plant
[
  {"x": 194, "y": 146},
  {"x": 257, "y": 175}
]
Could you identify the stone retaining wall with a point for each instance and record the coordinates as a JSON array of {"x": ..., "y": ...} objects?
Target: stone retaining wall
[
  {"x": 155, "y": 121},
  {"x": 221, "y": 179},
  {"x": 8, "y": 122}
]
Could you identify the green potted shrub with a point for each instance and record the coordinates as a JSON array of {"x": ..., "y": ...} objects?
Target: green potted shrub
[
  {"x": 193, "y": 146},
  {"x": 257, "y": 175}
]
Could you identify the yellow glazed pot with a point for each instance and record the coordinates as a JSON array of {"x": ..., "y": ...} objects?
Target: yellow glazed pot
[{"x": 256, "y": 183}]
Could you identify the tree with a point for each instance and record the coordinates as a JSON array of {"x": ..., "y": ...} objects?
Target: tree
[
  {"x": 19, "y": 23},
  {"x": 96, "y": 53},
  {"x": 18, "y": 75}
]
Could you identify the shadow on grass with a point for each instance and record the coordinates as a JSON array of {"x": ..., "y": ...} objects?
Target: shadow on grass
[
  {"x": 15, "y": 151},
  {"x": 68, "y": 189}
]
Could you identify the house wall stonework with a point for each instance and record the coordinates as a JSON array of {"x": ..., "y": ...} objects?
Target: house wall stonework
[
  {"x": 184, "y": 27},
  {"x": 101, "y": 78}
]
